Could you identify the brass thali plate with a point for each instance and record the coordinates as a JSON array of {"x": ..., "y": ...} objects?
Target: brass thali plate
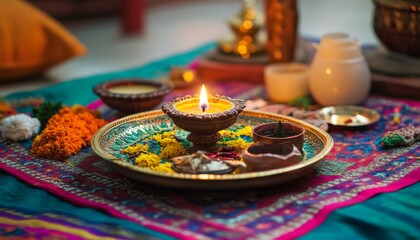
[
  {"x": 114, "y": 136},
  {"x": 348, "y": 116}
]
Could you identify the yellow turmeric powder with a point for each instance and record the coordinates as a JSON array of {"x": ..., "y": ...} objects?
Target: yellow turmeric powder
[{"x": 66, "y": 133}]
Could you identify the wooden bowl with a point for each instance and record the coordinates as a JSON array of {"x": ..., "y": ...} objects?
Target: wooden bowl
[
  {"x": 132, "y": 95},
  {"x": 397, "y": 25}
]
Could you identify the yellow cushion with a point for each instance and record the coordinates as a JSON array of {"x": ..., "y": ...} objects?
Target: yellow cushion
[{"x": 31, "y": 41}]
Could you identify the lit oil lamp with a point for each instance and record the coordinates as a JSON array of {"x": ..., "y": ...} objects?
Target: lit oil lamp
[{"x": 203, "y": 117}]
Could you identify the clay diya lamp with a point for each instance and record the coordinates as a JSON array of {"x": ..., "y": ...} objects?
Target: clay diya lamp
[
  {"x": 203, "y": 117},
  {"x": 132, "y": 95},
  {"x": 261, "y": 157},
  {"x": 279, "y": 133}
]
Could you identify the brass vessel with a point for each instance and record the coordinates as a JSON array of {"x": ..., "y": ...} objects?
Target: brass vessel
[
  {"x": 281, "y": 21},
  {"x": 246, "y": 26}
]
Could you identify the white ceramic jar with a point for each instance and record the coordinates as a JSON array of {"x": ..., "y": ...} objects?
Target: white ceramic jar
[{"x": 339, "y": 74}]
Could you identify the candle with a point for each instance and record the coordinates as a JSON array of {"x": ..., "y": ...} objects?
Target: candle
[
  {"x": 132, "y": 89},
  {"x": 203, "y": 105}
]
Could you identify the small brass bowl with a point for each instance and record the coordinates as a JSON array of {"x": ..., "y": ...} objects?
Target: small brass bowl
[
  {"x": 397, "y": 25},
  {"x": 348, "y": 116},
  {"x": 293, "y": 134},
  {"x": 132, "y": 95}
]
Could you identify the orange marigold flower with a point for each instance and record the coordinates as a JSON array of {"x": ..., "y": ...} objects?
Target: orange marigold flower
[{"x": 66, "y": 133}]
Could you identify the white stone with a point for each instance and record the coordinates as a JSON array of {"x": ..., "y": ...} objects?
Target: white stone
[{"x": 19, "y": 127}]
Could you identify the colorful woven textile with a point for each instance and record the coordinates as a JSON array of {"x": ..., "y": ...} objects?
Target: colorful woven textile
[
  {"x": 356, "y": 169},
  {"x": 35, "y": 225}
]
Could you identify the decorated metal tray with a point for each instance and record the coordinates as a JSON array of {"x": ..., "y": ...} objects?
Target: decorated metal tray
[{"x": 111, "y": 139}]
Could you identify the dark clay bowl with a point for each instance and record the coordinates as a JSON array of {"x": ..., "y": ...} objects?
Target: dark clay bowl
[
  {"x": 132, "y": 102},
  {"x": 261, "y": 157},
  {"x": 294, "y": 134}
]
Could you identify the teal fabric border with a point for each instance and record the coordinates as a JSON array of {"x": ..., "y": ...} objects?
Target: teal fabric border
[
  {"x": 385, "y": 216},
  {"x": 21, "y": 197},
  {"x": 393, "y": 215}
]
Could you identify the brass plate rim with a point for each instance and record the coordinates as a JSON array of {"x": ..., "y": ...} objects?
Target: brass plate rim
[{"x": 320, "y": 134}]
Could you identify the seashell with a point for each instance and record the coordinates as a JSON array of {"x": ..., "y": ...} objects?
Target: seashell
[{"x": 198, "y": 162}]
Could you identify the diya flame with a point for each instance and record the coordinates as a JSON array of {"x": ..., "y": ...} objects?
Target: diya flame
[{"x": 204, "y": 103}]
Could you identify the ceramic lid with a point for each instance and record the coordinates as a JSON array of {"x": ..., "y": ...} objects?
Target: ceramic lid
[{"x": 339, "y": 46}]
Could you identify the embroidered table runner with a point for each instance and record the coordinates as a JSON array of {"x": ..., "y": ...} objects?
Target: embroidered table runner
[{"x": 356, "y": 169}]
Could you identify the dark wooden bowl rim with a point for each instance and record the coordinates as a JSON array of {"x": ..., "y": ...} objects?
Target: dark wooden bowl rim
[{"x": 163, "y": 89}]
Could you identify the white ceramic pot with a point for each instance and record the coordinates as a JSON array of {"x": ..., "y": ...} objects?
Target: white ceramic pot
[{"x": 339, "y": 74}]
